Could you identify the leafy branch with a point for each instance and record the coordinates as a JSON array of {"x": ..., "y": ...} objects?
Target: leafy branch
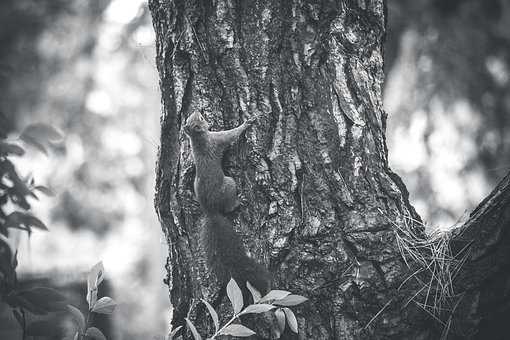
[
  {"x": 278, "y": 300},
  {"x": 14, "y": 194},
  {"x": 104, "y": 305}
]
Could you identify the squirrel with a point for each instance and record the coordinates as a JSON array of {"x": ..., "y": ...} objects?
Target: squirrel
[{"x": 217, "y": 195}]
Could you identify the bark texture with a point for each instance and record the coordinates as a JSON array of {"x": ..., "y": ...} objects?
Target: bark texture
[{"x": 321, "y": 208}]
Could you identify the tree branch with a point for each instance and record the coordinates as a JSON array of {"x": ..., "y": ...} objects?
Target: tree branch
[{"x": 485, "y": 277}]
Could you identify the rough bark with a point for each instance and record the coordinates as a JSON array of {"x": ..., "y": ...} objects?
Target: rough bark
[{"x": 322, "y": 210}]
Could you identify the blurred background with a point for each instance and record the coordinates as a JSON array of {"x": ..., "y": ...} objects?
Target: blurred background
[{"x": 87, "y": 67}]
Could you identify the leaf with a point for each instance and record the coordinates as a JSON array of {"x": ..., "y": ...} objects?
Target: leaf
[
  {"x": 77, "y": 316},
  {"x": 18, "y": 186},
  {"x": 42, "y": 133},
  {"x": 214, "y": 315},
  {"x": 291, "y": 300},
  {"x": 18, "y": 219},
  {"x": 10, "y": 245},
  {"x": 19, "y": 302},
  {"x": 105, "y": 305},
  {"x": 95, "y": 333},
  {"x": 96, "y": 276},
  {"x": 237, "y": 330},
  {"x": 291, "y": 319},
  {"x": 43, "y": 295},
  {"x": 193, "y": 330},
  {"x": 46, "y": 328},
  {"x": 92, "y": 297},
  {"x": 235, "y": 296},
  {"x": 257, "y": 308},
  {"x": 35, "y": 143},
  {"x": 43, "y": 298},
  {"x": 45, "y": 190},
  {"x": 254, "y": 292},
  {"x": 16, "y": 300},
  {"x": 275, "y": 295},
  {"x": 280, "y": 317},
  {"x": 174, "y": 332},
  {"x": 11, "y": 149}
]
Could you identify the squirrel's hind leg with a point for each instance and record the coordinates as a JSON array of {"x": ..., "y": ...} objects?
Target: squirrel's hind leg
[{"x": 231, "y": 202}]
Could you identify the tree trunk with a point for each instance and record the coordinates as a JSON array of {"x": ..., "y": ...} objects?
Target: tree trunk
[{"x": 322, "y": 210}]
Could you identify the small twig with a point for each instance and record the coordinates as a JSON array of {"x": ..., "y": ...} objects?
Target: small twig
[
  {"x": 176, "y": 45},
  {"x": 87, "y": 325},
  {"x": 422, "y": 306},
  {"x": 224, "y": 326},
  {"x": 378, "y": 313},
  {"x": 196, "y": 36},
  {"x": 412, "y": 298},
  {"x": 409, "y": 277}
]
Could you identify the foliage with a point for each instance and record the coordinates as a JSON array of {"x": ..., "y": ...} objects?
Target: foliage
[
  {"x": 277, "y": 300},
  {"x": 104, "y": 305},
  {"x": 15, "y": 192}
]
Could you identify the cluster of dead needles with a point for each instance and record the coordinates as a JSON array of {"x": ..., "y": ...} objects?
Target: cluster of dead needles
[{"x": 435, "y": 267}]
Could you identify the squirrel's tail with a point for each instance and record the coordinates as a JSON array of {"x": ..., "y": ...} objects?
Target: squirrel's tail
[{"x": 227, "y": 257}]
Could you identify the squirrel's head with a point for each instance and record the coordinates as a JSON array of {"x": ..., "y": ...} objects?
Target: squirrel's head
[{"x": 195, "y": 125}]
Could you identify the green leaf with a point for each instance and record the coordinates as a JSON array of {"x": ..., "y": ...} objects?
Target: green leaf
[
  {"x": 257, "y": 308},
  {"x": 275, "y": 295},
  {"x": 237, "y": 330},
  {"x": 291, "y": 319},
  {"x": 35, "y": 143},
  {"x": 42, "y": 133},
  {"x": 235, "y": 296},
  {"x": 105, "y": 305},
  {"x": 91, "y": 297},
  {"x": 214, "y": 315},
  {"x": 95, "y": 333},
  {"x": 20, "y": 302},
  {"x": 11, "y": 246},
  {"x": 254, "y": 292},
  {"x": 280, "y": 318},
  {"x": 174, "y": 332},
  {"x": 291, "y": 300},
  {"x": 11, "y": 149},
  {"x": 96, "y": 276},
  {"x": 193, "y": 330},
  {"x": 43, "y": 298},
  {"x": 77, "y": 316},
  {"x": 46, "y": 328},
  {"x": 18, "y": 186},
  {"x": 45, "y": 190},
  {"x": 23, "y": 221}
]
